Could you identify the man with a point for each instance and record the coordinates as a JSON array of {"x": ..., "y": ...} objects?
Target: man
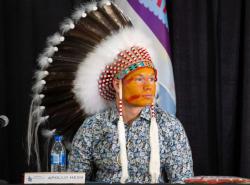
[
  {"x": 132, "y": 141},
  {"x": 100, "y": 65}
]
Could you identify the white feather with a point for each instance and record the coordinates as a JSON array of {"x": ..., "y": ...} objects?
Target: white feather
[
  {"x": 43, "y": 62},
  {"x": 41, "y": 96},
  {"x": 48, "y": 133},
  {"x": 37, "y": 88},
  {"x": 50, "y": 60},
  {"x": 41, "y": 120},
  {"x": 37, "y": 98},
  {"x": 104, "y": 2},
  {"x": 77, "y": 14},
  {"x": 33, "y": 122},
  {"x": 31, "y": 125},
  {"x": 91, "y": 7},
  {"x": 38, "y": 112},
  {"x": 39, "y": 75},
  {"x": 67, "y": 25},
  {"x": 87, "y": 75},
  {"x": 84, "y": 15},
  {"x": 49, "y": 51},
  {"x": 55, "y": 39}
]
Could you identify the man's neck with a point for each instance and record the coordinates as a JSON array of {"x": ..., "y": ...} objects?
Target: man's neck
[{"x": 130, "y": 113}]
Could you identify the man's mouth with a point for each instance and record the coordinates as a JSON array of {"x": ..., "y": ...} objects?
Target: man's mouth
[{"x": 148, "y": 96}]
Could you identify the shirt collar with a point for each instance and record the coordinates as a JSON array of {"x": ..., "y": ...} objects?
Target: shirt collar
[
  {"x": 145, "y": 113},
  {"x": 114, "y": 115}
]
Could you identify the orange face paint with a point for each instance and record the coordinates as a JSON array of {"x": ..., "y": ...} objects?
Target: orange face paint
[{"x": 139, "y": 87}]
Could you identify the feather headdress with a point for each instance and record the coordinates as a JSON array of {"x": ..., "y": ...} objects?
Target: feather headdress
[{"x": 66, "y": 88}]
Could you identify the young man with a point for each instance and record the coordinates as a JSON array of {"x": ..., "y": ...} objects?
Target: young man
[
  {"x": 132, "y": 140},
  {"x": 100, "y": 65}
]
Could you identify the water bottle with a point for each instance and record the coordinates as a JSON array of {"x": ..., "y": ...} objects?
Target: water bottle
[{"x": 58, "y": 156}]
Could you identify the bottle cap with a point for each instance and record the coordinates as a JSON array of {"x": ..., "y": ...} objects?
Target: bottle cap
[{"x": 58, "y": 138}]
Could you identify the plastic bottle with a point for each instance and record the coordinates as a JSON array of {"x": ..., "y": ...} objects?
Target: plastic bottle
[{"x": 58, "y": 155}]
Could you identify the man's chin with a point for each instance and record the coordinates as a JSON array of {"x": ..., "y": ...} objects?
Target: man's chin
[{"x": 141, "y": 104}]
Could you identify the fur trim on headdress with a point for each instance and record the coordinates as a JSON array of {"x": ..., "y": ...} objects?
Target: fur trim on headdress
[
  {"x": 105, "y": 53},
  {"x": 122, "y": 139},
  {"x": 154, "y": 164}
]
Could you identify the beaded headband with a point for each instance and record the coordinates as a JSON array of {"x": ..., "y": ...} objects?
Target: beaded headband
[{"x": 126, "y": 61}]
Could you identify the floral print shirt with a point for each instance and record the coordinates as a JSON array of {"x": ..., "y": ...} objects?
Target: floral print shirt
[{"x": 95, "y": 148}]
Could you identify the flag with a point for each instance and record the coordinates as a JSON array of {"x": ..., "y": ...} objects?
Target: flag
[{"x": 151, "y": 17}]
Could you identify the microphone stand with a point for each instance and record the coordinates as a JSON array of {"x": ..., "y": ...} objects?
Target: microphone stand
[
  {"x": 3, "y": 181},
  {"x": 3, "y": 123}
]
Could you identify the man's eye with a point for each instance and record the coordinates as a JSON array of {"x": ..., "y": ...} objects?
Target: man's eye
[
  {"x": 139, "y": 79},
  {"x": 152, "y": 79}
]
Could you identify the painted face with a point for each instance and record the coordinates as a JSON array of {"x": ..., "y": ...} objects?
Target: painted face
[{"x": 139, "y": 87}]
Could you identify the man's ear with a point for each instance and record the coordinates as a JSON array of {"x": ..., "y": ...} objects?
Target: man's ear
[{"x": 116, "y": 85}]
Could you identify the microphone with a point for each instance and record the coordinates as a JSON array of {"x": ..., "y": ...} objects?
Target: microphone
[{"x": 4, "y": 121}]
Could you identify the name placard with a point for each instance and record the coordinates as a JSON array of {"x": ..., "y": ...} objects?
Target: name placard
[{"x": 54, "y": 178}]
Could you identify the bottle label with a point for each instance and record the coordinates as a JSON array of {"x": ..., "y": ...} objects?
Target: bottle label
[
  {"x": 55, "y": 158},
  {"x": 62, "y": 159}
]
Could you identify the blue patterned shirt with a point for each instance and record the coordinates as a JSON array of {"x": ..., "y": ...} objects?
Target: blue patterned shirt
[{"x": 95, "y": 146}]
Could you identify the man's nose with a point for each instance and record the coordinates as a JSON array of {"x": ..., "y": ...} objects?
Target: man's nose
[{"x": 147, "y": 85}]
